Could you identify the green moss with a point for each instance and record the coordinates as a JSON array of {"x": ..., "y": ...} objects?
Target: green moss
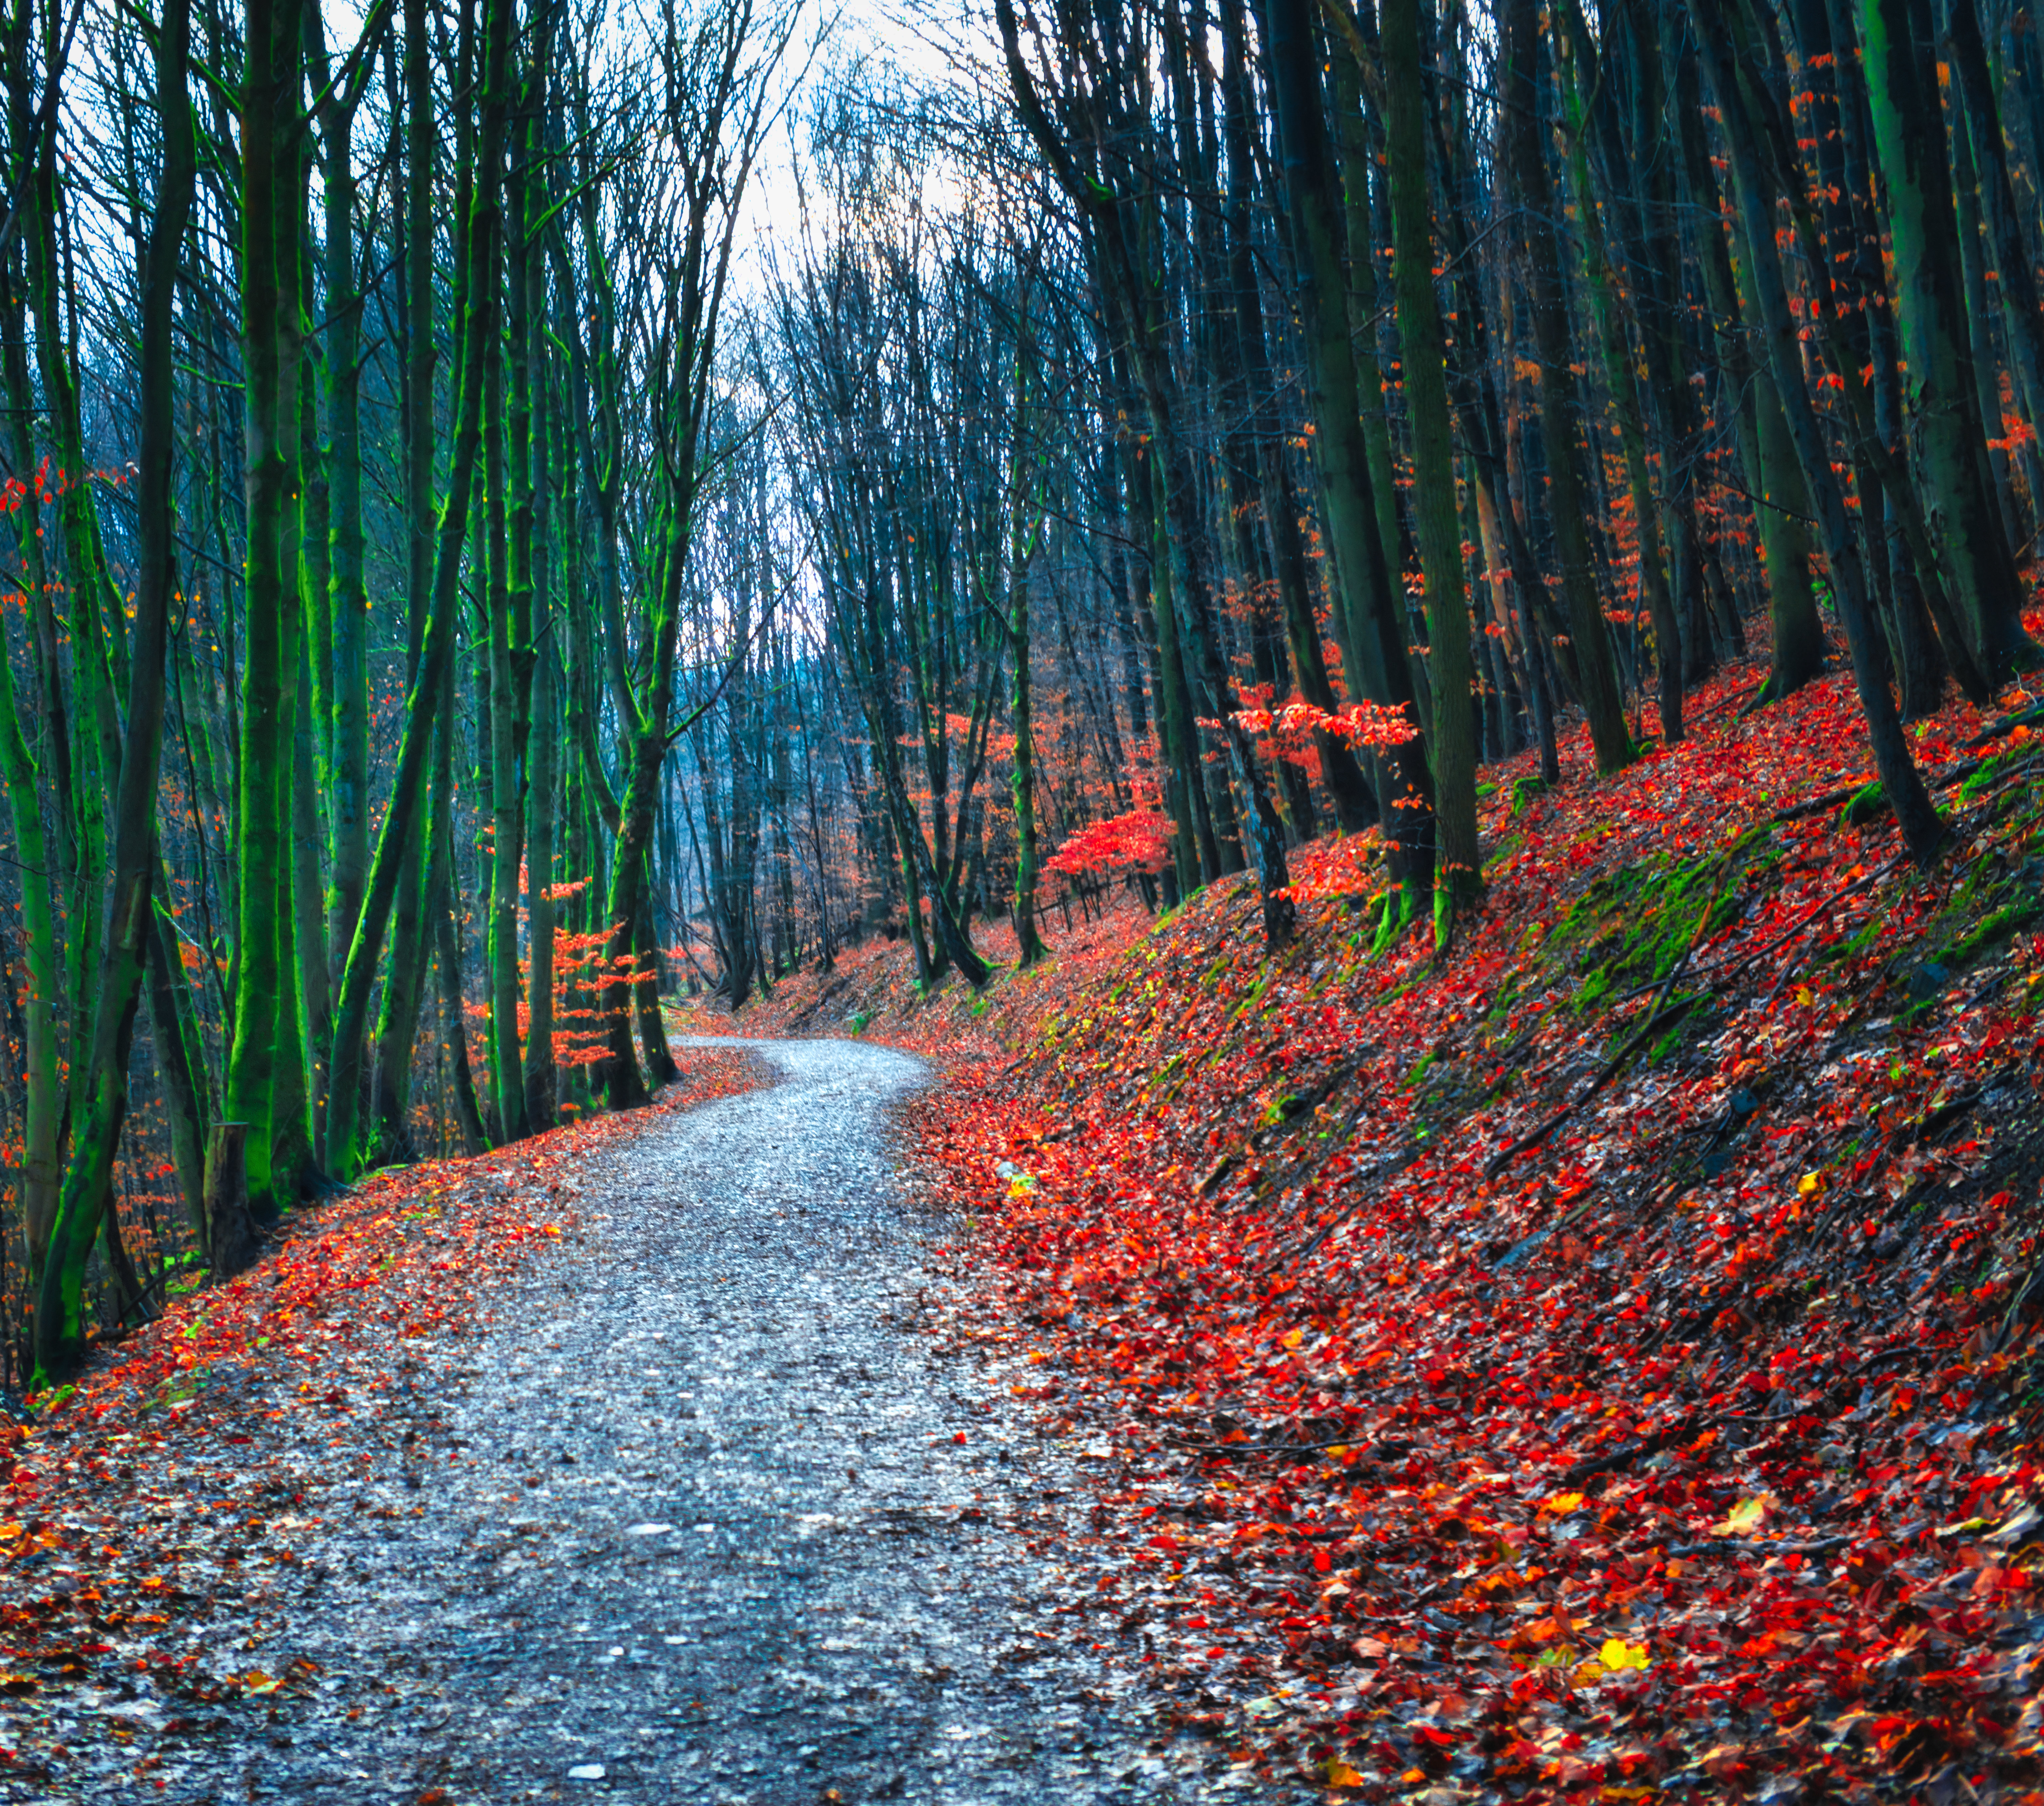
[
  {"x": 1400, "y": 907},
  {"x": 1665, "y": 1047},
  {"x": 1986, "y": 777},
  {"x": 1857, "y": 942},
  {"x": 1867, "y": 804},
  {"x": 1997, "y": 926},
  {"x": 1253, "y": 995},
  {"x": 1631, "y": 927}
]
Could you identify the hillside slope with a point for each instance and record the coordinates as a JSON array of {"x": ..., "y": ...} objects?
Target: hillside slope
[{"x": 1601, "y": 1358}]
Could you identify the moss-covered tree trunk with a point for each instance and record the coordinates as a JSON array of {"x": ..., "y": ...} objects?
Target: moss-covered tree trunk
[
  {"x": 503, "y": 449},
  {"x": 479, "y": 212},
  {"x": 43, "y": 857},
  {"x": 347, "y": 794},
  {"x": 270, "y": 352},
  {"x": 86, "y": 1197}
]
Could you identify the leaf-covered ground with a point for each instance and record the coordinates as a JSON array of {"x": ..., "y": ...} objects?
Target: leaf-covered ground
[
  {"x": 155, "y": 1502},
  {"x": 1600, "y": 1363}
]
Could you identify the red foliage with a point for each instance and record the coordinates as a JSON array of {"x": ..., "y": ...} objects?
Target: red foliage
[
  {"x": 1678, "y": 1444},
  {"x": 1360, "y": 723},
  {"x": 1137, "y": 842}
]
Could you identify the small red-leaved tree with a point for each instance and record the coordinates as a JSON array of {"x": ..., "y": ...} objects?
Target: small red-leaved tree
[{"x": 1135, "y": 842}]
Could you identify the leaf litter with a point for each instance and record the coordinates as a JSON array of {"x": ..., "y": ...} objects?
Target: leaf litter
[
  {"x": 1600, "y": 1362},
  {"x": 155, "y": 1521}
]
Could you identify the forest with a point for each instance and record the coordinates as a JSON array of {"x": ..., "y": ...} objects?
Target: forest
[
  {"x": 1124, "y": 444},
  {"x": 534, "y": 525}
]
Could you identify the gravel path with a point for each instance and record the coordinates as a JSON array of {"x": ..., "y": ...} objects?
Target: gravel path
[{"x": 702, "y": 1518}]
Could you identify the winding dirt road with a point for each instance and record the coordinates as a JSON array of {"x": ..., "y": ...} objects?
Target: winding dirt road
[{"x": 703, "y": 1517}]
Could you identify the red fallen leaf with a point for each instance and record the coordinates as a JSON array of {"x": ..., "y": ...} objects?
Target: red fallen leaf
[{"x": 1675, "y": 1341}]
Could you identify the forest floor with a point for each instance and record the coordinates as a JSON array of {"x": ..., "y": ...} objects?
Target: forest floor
[
  {"x": 1602, "y": 1361},
  {"x": 1599, "y": 1362},
  {"x": 637, "y": 1463}
]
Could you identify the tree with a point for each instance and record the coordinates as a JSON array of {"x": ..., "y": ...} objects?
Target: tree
[{"x": 131, "y": 922}]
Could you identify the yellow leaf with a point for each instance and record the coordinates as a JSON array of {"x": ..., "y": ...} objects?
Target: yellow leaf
[
  {"x": 1562, "y": 1504},
  {"x": 1339, "y": 1774},
  {"x": 1805, "y": 996},
  {"x": 1810, "y": 1184},
  {"x": 1748, "y": 1515},
  {"x": 1617, "y": 1655},
  {"x": 1295, "y": 1338}
]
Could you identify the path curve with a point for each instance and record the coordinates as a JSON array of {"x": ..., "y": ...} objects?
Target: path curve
[{"x": 720, "y": 1525}]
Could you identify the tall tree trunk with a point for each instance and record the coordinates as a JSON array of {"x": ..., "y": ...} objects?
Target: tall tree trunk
[
  {"x": 1524, "y": 158},
  {"x": 1951, "y": 464},
  {"x": 2022, "y": 310},
  {"x": 60, "y": 1326},
  {"x": 1781, "y": 506},
  {"x": 397, "y": 1018},
  {"x": 1372, "y": 633},
  {"x": 1458, "y": 864},
  {"x": 349, "y": 594},
  {"x": 1355, "y": 803},
  {"x": 445, "y": 936},
  {"x": 541, "y": 1081},
  {"x": 1581, "y": 76},
  {"x": 481, "y": 223},
  {"x": 1900, "y": 780},
  {"x": 1023, "y": 784},
  {"x": 507, "y": 708},
  {"x": 41, "y": 856},
  {"x": 270, "y": 358}
]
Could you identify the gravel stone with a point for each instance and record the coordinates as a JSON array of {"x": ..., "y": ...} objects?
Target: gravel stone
[{"x": 704, "y": 1517}]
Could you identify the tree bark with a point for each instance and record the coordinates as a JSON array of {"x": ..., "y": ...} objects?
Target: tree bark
[
  {"x": 1524, "y": 158},
  {"x": 1458, "y": 864},
  {"x": 481, "y": 218},
  {"x": 86, "y": 1197}
]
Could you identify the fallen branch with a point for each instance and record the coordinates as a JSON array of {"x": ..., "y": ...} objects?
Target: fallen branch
[
  {"x": 2008, "y": 724},
  {"x": 1749, "y": 1545}
]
